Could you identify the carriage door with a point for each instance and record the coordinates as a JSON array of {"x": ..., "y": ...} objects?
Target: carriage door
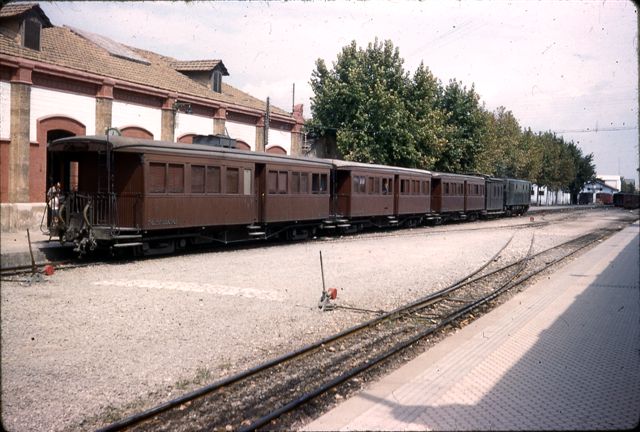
[{"x": 260, "y": 188}]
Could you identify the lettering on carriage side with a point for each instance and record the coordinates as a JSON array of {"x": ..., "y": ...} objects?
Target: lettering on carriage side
[{"x": 162, "y": 222}]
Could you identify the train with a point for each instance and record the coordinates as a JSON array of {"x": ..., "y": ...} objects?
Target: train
[
  {"x": 152, "y": 197},
  {"x": 626, "y": 200}
]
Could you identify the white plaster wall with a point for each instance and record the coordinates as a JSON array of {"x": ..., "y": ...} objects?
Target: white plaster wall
[
  {"x": 5, "y": 110},
  {"x": 242, "y": 131},
  {"x": 280, "y": 138},
  {"x": 47, "y": 103},
  {"x": 125, "y": 114},
  {"x": 192, "y": 124},
  {"x": 550, "y": 197}
]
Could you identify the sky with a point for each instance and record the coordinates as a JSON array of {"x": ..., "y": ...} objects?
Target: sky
[{"x": 565, "y": 66}]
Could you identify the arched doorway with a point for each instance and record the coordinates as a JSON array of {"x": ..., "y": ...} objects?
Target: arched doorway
[{"x": 43, "y": 172}]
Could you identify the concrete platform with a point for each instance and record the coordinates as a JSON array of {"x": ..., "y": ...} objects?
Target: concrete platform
[
  {"x": 562, "y": 355},
  {"x": 14, "y": 249}
]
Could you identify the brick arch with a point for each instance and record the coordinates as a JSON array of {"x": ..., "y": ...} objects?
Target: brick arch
[
  {"x": 46, "y": 127},
  {"x": 276, "y": 150},
  {"x": 241, "y": 145},
  {"x": 136, "y": 132},
  {"x": 186, "y": 139}
]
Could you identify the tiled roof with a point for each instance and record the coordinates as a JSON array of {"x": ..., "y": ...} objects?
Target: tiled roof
[
  {"x": 62, "y": 47},
  {"x": 16, "y": 9}
]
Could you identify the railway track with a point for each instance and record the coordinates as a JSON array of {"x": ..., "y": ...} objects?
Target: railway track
[
  {"x": 267, "y": 395},
  {"x": 9, "y": 273}
]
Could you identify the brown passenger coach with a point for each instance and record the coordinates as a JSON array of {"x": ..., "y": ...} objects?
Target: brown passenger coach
[{"x": 155, "y": 197}]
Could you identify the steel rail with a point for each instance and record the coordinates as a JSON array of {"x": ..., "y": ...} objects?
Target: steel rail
[
  {"x": 137, "y": 418},
  {"x": 140, "y": 417},
  {"x": 405, "y": 344}
]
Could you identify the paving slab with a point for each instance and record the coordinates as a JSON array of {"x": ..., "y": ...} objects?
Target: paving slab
[{"x": 562, "y": 355}]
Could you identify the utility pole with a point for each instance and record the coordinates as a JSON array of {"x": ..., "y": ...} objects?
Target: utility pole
[{"x": 267, "y": 119}]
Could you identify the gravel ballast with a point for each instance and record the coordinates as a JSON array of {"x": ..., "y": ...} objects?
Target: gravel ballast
[{"x": 92, "y": 344}]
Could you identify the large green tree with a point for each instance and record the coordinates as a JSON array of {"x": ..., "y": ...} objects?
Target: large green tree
[
  {"x": 380, "y": 114},
  {"x": 467, "y": 122},
  {"x": 364, "y": 98},
  {"x": 428, "y": 119},
  {"x": 503, "y": 154}
]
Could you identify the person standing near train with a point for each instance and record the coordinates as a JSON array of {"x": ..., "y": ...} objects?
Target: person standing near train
[{"x": 53, "y": 200}]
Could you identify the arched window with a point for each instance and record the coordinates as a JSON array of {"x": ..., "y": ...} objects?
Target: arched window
[
  {"x": 186, "y": 139},
  {"x": 276, "y": 150},
  {"x": 241, "y": 145},
  {"x": 136, "y": 132}
]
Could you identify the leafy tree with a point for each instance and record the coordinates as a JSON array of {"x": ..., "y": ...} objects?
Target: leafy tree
[
  {"x": 503, "y": 154},
  {"x": 467, "y": 120},
  {"x": 530, "y": 145},
  {"x": 364, "y": 98},
  {"x": 378, "y": 113},
  {"x": 627, "y": 186},
  {"x": 429, "y": 121},
  {"x": 584, "y": 171}
]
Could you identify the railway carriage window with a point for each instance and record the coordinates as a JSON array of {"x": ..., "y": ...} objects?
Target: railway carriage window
[
  {"x": 323, "y": 183},
  {"x": 371, "y": 187},
  {"x": 273, "y": 182},
  {"x": 197, "y": 179},
  {"x": 282, "y": 182},
  {"x": 404, "y": 186},
  {"x": 304, "y": 183},
  {"x": 416, "y": 187},
  {"x": 476, "y": 189},
  {"x": 295, "y": 182},
  {"x": 213, "y": 179},
  {"x": 247, "y": 182},
  {"x": 359, "y": 184},
  {"x": 425, "y": 187},
  {"x": 233, "y": 178},
  {"x": 175, "y": 180},
  {"x": 318, "y": 183},
  {"x": 157, "y": 174},
  {"x": 446, "y": 188}
]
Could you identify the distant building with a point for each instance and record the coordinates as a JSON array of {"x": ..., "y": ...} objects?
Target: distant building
[
  {"x": 543, "y": 196},
  {"x": 613, "y": 181},
  {"x": 62, "y": 81},
  {"x": 597, "y": 192}
]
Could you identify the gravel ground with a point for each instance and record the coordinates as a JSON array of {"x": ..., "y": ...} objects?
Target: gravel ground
[{"x": 90, "y": 345}]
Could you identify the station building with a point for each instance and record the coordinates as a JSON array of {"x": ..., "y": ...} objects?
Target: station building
[
  {"x": 597, "y": 192},
  {"x": 62, "y": 81}
]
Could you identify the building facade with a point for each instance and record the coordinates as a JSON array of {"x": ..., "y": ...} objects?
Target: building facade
[
  {"x": 597, "y": 192},
  {"x": 62, "y": 81}
]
